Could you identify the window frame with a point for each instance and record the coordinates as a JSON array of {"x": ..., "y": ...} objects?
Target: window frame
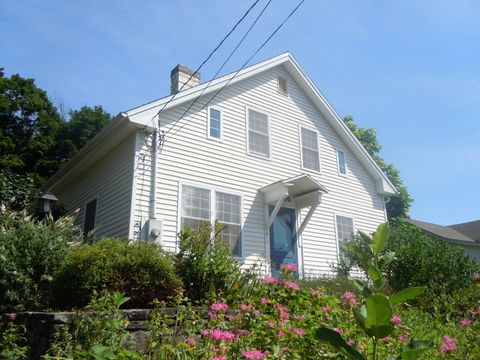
[
  {"x": 337, "y": 151},
  {"x": 300, "y": 127},
  {"x": 213, "y": 208},
  {"x": 208, "y": 123},
  {"x": 247, "y": 129},
  {"x": 337, "y": 240}
]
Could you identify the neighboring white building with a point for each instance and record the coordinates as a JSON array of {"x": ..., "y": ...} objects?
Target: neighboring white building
[{"x": 261, "y": 151}]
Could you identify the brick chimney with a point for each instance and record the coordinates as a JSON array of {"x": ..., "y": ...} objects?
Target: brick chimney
[{"x": 180, "y": 75}]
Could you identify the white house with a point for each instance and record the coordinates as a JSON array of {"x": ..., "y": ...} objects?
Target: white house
[{"x": 259, "y": 150}]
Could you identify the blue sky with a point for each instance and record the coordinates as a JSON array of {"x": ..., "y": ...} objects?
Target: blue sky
[{"x": 409, "y": 69}]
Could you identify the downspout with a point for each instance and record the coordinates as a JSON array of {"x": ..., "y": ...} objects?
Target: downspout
[{"x": 153, "y": 178}]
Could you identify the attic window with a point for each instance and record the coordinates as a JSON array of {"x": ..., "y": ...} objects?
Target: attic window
[{"x": 282, "y": 86}]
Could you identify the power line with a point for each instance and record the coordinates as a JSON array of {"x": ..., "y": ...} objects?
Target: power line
[
  {"x": 246, "y": 62},
  {"x": 221, "y": 67},
  {"x": 208, "y": 58}
]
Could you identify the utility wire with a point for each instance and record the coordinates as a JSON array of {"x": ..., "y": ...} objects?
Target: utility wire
[
  {"x": 245, "y": 64},
  {"x": 220, "y": 69},
  {"x": 208, "y": 58}
]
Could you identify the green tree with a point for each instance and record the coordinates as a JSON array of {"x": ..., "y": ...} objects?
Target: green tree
[
  {"x": 29, "y": 124},
  {"x": 399, "y": 205}
]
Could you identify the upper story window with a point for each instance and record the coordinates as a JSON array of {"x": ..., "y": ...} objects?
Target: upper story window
[
  {"x": 203, "y": 205},
  {"x": 214, "y": 123},
  {"x": 342, "y": 163},
  {"x": 310, "y": 149},
  {"x": 258, "y": 133},
  {"x": 282, "y": 85},
  {"x": 345, "y": 231},
  {"x": 90, "y": 215}
]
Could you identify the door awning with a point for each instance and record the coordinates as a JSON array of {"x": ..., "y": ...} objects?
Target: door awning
[{"x": 298, "y": 192}]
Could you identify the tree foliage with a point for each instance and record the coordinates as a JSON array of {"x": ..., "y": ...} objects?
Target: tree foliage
[
  {"x": 35, "y": 139},
  {"x": 400, "y": 204}
]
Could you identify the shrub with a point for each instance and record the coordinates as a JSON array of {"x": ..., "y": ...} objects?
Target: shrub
[
  {"x": 208, "y": 269},
  {"x": 30, "y": 252},
  {"x": 423, "y": 261},
  {"x": 139, "y": 270}
]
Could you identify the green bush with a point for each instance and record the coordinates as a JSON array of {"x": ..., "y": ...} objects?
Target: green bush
[
  {"x": 208, "y": 269},
  {"x": 423, "y": 261},
  {"x": 30, "y": 252},
  {"x": 139, "y": 270}
]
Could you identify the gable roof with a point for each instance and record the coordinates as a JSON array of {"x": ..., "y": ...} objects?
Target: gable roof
[
  {"x": 141, "y": 117},
  {"x": 143, "y": 114},
  {"x": 444, "y": 232},
  {"x": 470, "y": 229}
]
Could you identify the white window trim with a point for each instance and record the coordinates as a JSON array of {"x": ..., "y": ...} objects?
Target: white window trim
[
  {"x": 221, "y": 124},
  {"x": 213, "y": 205},
  {"x": 338, "y": 161},
  {"x": 260, "y": 156},
  {"x": 300, "y": 127},
  {"x": 278, "y": 85},
  {"x": 335, "y": 214}
]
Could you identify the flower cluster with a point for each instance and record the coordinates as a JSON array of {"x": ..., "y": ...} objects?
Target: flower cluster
[
  {"x": 349, "y": 299},
  {"x": 255, "y": 354},
  {"x": 449, "y": 344}
]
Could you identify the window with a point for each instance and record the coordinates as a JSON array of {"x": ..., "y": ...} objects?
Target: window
[
  {"x": 310, "y": 153},
  {"x": 282, "y": 86},
  {"x": 345, "y": 231},
  {"x": 342, "y": 165},
  {"x": 200, "y": 205},
  {"x": 214, "y": 124},
  {"x": 90, "y": 213},
  {"x": 258, "y": 133}
]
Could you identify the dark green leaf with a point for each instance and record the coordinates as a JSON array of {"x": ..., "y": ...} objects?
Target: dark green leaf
[
  {"x": 406, "y": 294},
  {"x": 375, "y": 274},
  {"x": 379, "y": 239},
  {"x": 336, "y": 340},
  {"x": 379, "y": 314},
  {"x": 415, "y": 347},
  {"x": 360, "y": 315},
  {"x": 361, "y": 286}
]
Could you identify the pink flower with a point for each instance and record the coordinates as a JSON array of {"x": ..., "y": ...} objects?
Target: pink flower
[
  {"x": 465, "y": 322},
  {"x": 349, "y": 299},
  {"x": 271, "y": 280},
  {"x": 255, "y": 354},
  {"x": 315, "y": 292},
  {"x": 191, "y": 340},
  {"x": 326, "y": 309},
  {"x": 219, "y": 335},
  {"x": 271, "y": 324},
  {"x": 246, "y": 307},
  {"x": 264, "y": 300},
  {"x": 219, "y": 307},
  {"x": 205, "y": 332},
  {"x": 403, "y": 338},
  {"x": 289, "y": 267},
  {"x": 281, "y": 333},
  {"x": 351, "y": 342},
  {"x": 338, "y": 330},
  {"x": 219, "y": 358},
  {"x": 449, "y": 344},
  {"x": 360, "y": 346},
  {"x": 476, "y": 277},
  {"x": 396, "y": 320},
  {"x": 291, "y": 285},
  {"x": 284, "y": 315},
  {"x": 300, "y": 317},
  {"x": 212, "y": 315},
  {"x": 298, "y": 331},
  {"x": 240, "y": 332},
  {"x": 386, "y": 339},
  {"x": 281, "y": 307},
  {"x": 474, "y": 311}
]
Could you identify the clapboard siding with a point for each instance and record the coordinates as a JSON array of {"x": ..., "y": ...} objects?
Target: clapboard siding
[
  {"x": 110, "y": 181},
  {"x": 189, "y": 156}
]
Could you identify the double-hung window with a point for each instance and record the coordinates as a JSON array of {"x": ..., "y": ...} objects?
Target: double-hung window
[
  {"x": 201, "y": 206},
  {"x": 214, "y": 124},
  {"x": 258, "y": 133},
  {"x": 345, "y": 231},
  {"x": 310, "y": 150},
  {"x": 342, "y": 164}
]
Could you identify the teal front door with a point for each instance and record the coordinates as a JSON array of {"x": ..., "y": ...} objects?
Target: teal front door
[{"x": 283, "y": 239}]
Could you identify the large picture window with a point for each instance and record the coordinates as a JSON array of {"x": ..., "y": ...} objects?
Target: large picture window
[
  {"x": 258, "y": 133},
  {"x": 203, "y": 205},
  {"x": 310, "y": 152}
]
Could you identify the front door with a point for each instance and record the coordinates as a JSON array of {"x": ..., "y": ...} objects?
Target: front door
[{"x": 283, "y": 239}]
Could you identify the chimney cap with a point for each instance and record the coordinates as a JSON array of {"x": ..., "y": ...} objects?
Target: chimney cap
[{"x": 184, "y": 69}]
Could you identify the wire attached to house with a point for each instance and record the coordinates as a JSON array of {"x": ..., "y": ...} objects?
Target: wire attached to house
[
  {"x": 244, "y": 65},
  {"x": 208, "y": 58},
  {"x": 221, "y": 67}
]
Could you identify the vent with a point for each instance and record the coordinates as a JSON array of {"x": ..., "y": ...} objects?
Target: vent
[{"x": 282, "y": 86}]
